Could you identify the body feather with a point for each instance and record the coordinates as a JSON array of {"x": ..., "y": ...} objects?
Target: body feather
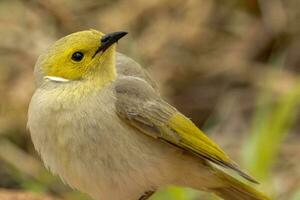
[{"x": 116, "y": 138}]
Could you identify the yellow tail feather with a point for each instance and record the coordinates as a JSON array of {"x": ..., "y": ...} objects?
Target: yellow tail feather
[{"x": 234, "y": 189}]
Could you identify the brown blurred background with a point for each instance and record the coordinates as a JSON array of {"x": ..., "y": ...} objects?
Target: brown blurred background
[{"x": 231, "y": 66}]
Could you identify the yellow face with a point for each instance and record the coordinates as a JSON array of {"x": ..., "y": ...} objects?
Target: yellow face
[{"x": 77, "y": 56}]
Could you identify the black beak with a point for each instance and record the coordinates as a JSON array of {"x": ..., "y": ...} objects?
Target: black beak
[{"x": 109, "y": 39}]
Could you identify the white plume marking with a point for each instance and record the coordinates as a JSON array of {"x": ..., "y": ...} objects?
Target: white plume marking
[{"x": 57, "y": 79}]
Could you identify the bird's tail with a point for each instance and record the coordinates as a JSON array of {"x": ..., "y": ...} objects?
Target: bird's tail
[{"x": 234, "y": 189}]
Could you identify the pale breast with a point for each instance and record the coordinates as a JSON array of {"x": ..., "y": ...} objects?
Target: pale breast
[
  {"x": 69, "y": 130},
  {"x": 83, "y": 141}
]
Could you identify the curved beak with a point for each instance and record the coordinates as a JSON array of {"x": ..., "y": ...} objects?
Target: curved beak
[{"x": 109, "y": 39}]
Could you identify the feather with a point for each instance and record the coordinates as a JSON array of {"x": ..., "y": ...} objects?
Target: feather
[{"x": 142, "y": 107}]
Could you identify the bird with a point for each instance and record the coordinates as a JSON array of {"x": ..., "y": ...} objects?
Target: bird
[{"x": 99, "y": 122}]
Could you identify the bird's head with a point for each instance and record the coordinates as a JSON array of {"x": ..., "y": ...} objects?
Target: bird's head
[{"x": 79, "y": 56}]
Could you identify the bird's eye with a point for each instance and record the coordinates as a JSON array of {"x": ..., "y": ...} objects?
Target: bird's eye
[{"x": 77, "y": 56}]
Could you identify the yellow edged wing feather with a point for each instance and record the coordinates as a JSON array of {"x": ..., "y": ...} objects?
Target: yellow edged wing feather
[
  {"x": 142, "y": 107},
  {"x": 193, "y": 139}
]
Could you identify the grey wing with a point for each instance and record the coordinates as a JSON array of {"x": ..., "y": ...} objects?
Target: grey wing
[
  {"x": 141, "y": 106},
  {"x": 128, "y": 67}
]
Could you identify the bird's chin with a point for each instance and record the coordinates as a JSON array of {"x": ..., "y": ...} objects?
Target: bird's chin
[
  {"x": 111, "y": 49},
  {"x": 108, "y": 55},
  {"x": 101, "y": 56}
]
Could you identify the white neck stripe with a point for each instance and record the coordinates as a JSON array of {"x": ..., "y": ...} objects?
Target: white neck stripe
[{"x": 57, "y": 79}]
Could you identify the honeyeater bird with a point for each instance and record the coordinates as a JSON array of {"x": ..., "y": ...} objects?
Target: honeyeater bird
[{"x": 98, "y": 121}]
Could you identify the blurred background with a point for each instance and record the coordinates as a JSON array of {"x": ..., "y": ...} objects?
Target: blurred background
[{"x": 232, "y": 66}]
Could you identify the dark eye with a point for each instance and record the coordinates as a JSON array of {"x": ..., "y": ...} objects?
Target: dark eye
[{"x": 77, "y": 56}]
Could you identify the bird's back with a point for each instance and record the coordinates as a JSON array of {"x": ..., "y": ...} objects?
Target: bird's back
[{"x": 126, "y": 66}]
